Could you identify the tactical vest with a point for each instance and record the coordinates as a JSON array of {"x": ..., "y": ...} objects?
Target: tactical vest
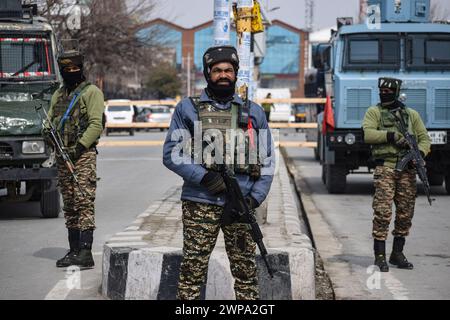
[
  {"x": 77, "y": 122},
  {"x": 388, "y": 123},
  {"x": 216, "y": 124}
]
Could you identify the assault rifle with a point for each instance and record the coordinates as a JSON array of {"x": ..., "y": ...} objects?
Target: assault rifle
[
  {"x": 412, "y": 155},
  {"x": 236, "y": 209},
  {"x": 56, "y": 140}
]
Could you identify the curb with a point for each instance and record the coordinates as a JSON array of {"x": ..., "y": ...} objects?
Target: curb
[
  {"x": 326, "y": 243},
  {"x": 134, "y": 268}
]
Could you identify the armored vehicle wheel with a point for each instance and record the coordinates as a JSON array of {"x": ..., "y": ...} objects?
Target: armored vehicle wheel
[
  {"x": 50, "y": 204},
  {"x": 36, "y": 195},
  {"x": 447, "y": 183},
  {"x": 435, "y": 179},
  {"x": 317, "y": 149},
  {"x": 336, "y": 178},
  {"x": 324, "y": 174}
]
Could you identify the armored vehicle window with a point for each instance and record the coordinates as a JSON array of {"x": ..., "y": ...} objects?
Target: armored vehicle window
[
  {"x": 378, "y": 52},
  {"x": 437, "y": 51},
  {"x": 25, "y": 57},
  {"x": 364, "y": 51},
  {"x": 428, "y": 52}
]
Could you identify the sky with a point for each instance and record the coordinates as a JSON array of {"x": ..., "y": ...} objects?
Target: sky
[{"x": 189, "y": 13}]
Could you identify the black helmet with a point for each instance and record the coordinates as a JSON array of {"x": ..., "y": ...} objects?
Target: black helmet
[
  {"x": 220, "y": 54},
  {"x": 390, "y": 83},
  {"x": 71, "y": 55}
]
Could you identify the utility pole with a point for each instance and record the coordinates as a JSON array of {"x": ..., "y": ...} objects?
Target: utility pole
[
  {"x": 244, "y": 38},
  {"x": 362, "y": 10},
  {"x": 189, "y": 74},
  {"x": 221, "y": 22},
  {"x": 309, "y": 15}
]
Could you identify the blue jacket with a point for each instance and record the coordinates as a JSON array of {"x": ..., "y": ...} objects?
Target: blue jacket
[{"x": 183, "y": 118}]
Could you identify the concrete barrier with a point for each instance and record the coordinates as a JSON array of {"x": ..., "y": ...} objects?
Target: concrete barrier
[{"x": 142, "y": 262}]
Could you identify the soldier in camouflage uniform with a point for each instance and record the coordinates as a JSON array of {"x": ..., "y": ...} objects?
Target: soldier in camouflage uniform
[
  {"x": 388, "y": 147},
  {"x": 76, "y": 111},
  {"x": 204, "y": 191}
]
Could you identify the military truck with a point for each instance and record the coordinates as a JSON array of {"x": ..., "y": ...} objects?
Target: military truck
[
  {"x": 399, "y": 42},
  {"x": 28, "y": 77}
]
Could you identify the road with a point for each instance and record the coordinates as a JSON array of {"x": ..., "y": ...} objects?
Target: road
[
  {"x": 131, "y": 178},
  {"x": 342, "y": 230}
]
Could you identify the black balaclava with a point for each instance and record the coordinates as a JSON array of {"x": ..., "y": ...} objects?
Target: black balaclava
[
  {"x": 389, "y": 99},
  {"x": 216, "y": 55},
  {"x": 71, "y": 79}
]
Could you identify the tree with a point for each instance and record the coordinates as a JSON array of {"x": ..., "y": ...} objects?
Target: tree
[
  {"x": 107, "y": 34},
  {"x": 163, "y": 81}
]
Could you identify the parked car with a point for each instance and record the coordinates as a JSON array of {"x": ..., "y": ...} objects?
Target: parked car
[
  {"x": 154, "y": 114},
  {"x": 119, "y": 112}
]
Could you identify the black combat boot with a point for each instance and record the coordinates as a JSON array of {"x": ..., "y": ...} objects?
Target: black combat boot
[
  {"x": 84, "y": 258},
  {"x": 74, "y": 243},
  {"x": 379, "y": 248},
  {"x": 397, "y": 257}
]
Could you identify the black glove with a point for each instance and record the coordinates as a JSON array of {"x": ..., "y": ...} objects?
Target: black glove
[
  {"x": 213, "y": 181},
  {"x": 77, "y": 152},
  {"x": 397, "y": 139},
  {"x": 251, "y": 202}
]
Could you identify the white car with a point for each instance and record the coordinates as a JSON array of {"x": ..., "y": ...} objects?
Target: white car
[
  {"x": 154, "y": 114},
  {"x": 119, "y": 112}
]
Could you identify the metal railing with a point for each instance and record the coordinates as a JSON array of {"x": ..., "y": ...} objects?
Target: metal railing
[{"x": 154, "y": 125}]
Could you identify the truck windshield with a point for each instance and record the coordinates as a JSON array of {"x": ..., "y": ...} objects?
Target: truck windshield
[
  {"x": 376, "y": 52},
  {"x": 25, "y": 57},
  {"x": 428, "y": 51}
]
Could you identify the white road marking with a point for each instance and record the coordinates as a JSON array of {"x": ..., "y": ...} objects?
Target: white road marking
[
  {"x": 59, "y": 292},
  {"x": 399, "y": 292}
]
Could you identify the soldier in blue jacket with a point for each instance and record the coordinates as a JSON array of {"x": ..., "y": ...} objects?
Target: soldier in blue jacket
[{"x": 207, "y": 132}]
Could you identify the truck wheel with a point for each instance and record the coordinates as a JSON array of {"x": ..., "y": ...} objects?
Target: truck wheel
[
  {"x": 107, "y": 132},
  {"x": 324, "y": 174},
  {"x": 131, "y": 132},
  {"x": 36, "y": 196},
  {"x": 317, "y": 150},
  {"x": 336, "y": 179},
  {"x": 316, "y": 154},
  {"x": 50, "y": 204},
  {"x": 435, "y": 179},
  {"x": 447, "y": 183}
]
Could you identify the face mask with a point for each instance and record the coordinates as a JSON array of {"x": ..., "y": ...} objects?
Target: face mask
[
  {"x": 387, "y": 98},
  {"x": 222, "y": 92},
  {"x": 71, "y": 79}
]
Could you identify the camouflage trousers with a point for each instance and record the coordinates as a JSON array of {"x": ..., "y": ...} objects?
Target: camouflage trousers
[
  {"x": 201, "y": 226},
  {"x": 78, "y": 208},
  {"x": 393, "y": 187}
]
